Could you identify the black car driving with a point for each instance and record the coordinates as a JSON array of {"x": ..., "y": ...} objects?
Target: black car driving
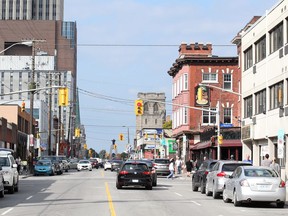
[{"x": 134, "y": 173}]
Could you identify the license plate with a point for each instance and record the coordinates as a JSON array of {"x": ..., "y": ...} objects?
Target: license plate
[
  {"x": 264, "y": 187},
  {"x": 135, "y": 180}
]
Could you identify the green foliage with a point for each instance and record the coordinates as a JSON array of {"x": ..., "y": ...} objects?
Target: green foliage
[
  {"x": 124, "y": 156},
  {"x": 102, "y": 154},
  {"x": 167, "y": 125}
]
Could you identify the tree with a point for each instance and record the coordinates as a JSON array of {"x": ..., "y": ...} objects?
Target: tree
[
  {"x": 167, "y": 125},
  {"x": 124, "y": 156},
  {"x": 102, "y": 154}
]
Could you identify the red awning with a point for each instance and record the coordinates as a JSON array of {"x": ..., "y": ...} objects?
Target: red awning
[
  {"x": 231, "y": 143},
  {"x": 201, "y": 145}
]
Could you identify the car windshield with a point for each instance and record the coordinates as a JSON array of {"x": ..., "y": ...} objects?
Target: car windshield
[
  {"x": 43, "y": 163},
  {"x": 230, "y": 167},
  {"x": 260, "y": 173},
  {"x": 136, "y": 167},
  {"x": 4, "y": 162},
  {"x": 212, "y": 164},
  {"x": 84, "y": 161},
  {"x": 162, "y": 161}
]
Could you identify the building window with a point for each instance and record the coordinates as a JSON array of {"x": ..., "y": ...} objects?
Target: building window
[
  {"x": 227, "y": 115},
  {"x": 209, "y": 77},
  {"x": 276, "y": 38},
  {"x": 146, "y": 121},
  {"x": 260, "y": 102},
  {"x": 156, "y": 109},
  {"x": 185, "y": 115},
  {"x": 276, "y": 95},
  {"x": 185, "y": 82},
  {"x": 227, "y": 81},
  {"x": 145, "y": 107},
  {"x": 248, "y": 59},
  {"x": 155, "y": 121},
  {"x": 209, "y": 117},
  {"x": 260, "y": 49},
  {"x": 248, "y": 106}
]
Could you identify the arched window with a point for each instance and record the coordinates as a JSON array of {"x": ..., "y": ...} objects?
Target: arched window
[
  {"x": 155, "y": 107},
  {"x": 145, "y": 107}
]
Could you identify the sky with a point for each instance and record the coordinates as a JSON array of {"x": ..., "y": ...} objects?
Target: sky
[{"x": 128, "y": 46}]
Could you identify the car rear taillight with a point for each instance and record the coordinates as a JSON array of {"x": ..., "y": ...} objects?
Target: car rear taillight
[
  {"x": 206, "y": 172},
  {"x": 244, "y": 183},
  {"x": 282, "y": 184},
  {"x": 221, "y": 174},
  {"x": 123, "y": 172},
  {"x": 146, "y": 173}
]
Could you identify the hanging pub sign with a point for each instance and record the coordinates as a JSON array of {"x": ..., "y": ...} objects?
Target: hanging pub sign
[{"x": 202, "y": 96}]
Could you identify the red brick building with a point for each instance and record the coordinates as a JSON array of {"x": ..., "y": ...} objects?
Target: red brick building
[{"x": 194, "y": 106}]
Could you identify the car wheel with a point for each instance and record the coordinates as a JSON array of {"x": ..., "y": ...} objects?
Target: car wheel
[
  {"x": 225, "y": 197},
  {"x": 194, "y": 187},
  {"x": 236, "y": 202},
  {"x": 215, "y": 195},
  {"x": 280, "y": 204},
  {"x": 78, "y": 170},
  {"x": 149, "y": 187},
  {"x": 207, "y": 192},
  {"x": 2, "y": 194},
  {"x": 16, "y": 187},
  {"x": 105, "y": 169},
  {"x": 202, "y": 187},
  {"x": 90, "y": 170},
  {"x": 118, "y": 186},
  {"x": 11, "y": 189}
]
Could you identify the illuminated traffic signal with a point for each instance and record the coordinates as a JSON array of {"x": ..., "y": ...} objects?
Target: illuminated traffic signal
[
  {"x": 115, "y": 146},
  {"x": 77, "y": 132},
  {"x": 139, "y": 107},
  {"x": 121, "y": 137},
  {"x": 220, "y": 139},
  {"x": 63, "y": 96},
  {"x": 146, "y": 136},
  {"x": 199, "y": 93},
  {"x": 23, "y": 106}
]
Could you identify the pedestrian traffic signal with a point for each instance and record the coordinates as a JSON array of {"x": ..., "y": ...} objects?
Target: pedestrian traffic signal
[
  {"x": 139, "y": 107},
  {"x": 121, "y": 137},
  {"x": 23, "y": 106},
  {"x": 63, "y": 96},
  {"x": 77, "y": 132}
]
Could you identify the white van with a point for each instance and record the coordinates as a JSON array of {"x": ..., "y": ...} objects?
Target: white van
[{"x": 9, "y": 170}]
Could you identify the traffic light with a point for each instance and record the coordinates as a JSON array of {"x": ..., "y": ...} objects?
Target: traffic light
[
  {"x": 121, "y": 137},
  {"x": 199, "y": 93},
  {"x": 220, "y": 139},
  {"x": 63, "y": 96},
  {"x": 77, "y": 132},
  {"x": 23, "y": 106},
  {"x": 146, "y": 136},
  {"x": 139, "y": 107},
  {"x": 115, "y": 146}
]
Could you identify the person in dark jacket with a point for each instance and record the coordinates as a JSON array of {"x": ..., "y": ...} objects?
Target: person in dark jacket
[{"x": 189, "y": 166}]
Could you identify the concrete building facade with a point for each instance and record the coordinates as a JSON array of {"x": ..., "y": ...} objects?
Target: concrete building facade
[{"x": 264, "y": 53}]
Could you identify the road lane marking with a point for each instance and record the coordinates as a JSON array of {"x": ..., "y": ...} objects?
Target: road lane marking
[
  {"x": 196, "y": 203},
  {"x": 7, "y": 211},
  {"x": 102, "y": 173},
  {"x": 29, "y": 197},
  {"x": 178, "y": 194},
  {"x": 111, "y": 206}
]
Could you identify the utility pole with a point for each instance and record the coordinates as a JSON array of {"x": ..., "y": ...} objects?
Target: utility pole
[
  {"x": 59, "y": 120},
  {"x": 49, "y": 114}
]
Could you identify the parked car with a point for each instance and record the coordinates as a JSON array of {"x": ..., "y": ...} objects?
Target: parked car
[
  {"x": 59, "y": 167},
  {"x": 254, "y": 184},
  {"x": 1, "y": 183},
  {"x": 84, "y": 165},
  {"x": 73, "y": 163},
  {"x": 199, "y": 176},
  {"x": 215, "y": 178},
  {"x": 44, "y": 167},
  {"x": 107, "y": 165},
  {"x": 9, "y": 170},
  {"x": 116, "y": 164},
  {"x": 134, "y": 173},
  {"x": 94, "y": 163},
  {"x": 162, "y": 166},
  {"x": 152, "y": 169},
  {"x": 66, "y": 165}
]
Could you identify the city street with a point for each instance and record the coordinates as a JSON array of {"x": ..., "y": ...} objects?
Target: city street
[{"x": 94, "y": 193}]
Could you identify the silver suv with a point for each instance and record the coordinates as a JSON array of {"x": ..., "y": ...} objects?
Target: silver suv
[
  {"x": 9, "y": 170},
  {"x": 215, "y": 178}
]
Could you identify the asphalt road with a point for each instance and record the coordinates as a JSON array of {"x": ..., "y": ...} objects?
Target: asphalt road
[{"x": 94, "y": 193}]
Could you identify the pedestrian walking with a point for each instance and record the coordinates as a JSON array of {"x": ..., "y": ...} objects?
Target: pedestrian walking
[
  {"x": 275, "y": 166},
  {"x": 18, "y": 162},
  {"x": 266, "y": 162},
  {"x": 189, "y": 166},
  {"x": 171, "y": 169},
  {"x": 178, "y": 165},
  {"x": 247, "y": 159}
]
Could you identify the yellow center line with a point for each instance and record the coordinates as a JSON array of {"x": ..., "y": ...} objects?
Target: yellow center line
[{"x": 111, "y": 206}]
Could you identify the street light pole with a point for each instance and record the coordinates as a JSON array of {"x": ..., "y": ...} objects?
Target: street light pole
[{"x": 218, "y": 129}]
